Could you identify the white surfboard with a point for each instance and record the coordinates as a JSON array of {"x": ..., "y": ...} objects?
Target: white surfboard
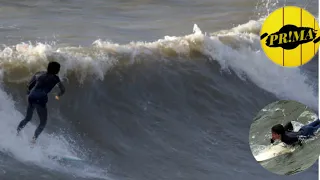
[
  {"x": 273, "y": 151},
  {"x": 64, "y": 158}
]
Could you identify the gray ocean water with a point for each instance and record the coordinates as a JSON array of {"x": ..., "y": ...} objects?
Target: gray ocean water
[{"x": 155, "y": 89}]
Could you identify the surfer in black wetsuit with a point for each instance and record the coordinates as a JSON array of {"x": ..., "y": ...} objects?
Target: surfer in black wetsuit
[
  {"x": 289, "y": 137},
  {"x": 38, "y": 88}
]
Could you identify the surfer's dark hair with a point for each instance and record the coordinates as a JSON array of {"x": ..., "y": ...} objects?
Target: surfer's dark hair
[
  {"x": 278, "y": 129},
  {"x": 53, "y": 67}
]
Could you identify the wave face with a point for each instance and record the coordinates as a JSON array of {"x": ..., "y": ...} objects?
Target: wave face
[{"x": 176, "y": 108}]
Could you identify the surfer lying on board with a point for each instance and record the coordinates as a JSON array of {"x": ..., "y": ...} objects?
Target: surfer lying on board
[
  {"x": 289, "y": 137},
  {"x": 38, "y": 88}
]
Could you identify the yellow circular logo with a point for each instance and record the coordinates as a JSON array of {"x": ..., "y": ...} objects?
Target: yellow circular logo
[{"x": 289, "y": 36}]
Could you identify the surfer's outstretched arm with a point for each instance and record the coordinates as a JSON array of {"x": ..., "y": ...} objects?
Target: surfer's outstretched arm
[
  {"x": 62, "y": 89},
  {"x": 32, "y": 82},
  {"x": 288, "y": 126}
]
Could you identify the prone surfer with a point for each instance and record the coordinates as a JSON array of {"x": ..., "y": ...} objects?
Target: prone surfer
[
  {"x": 289, "y": 137},
  {"x": 38, "y": 88}
]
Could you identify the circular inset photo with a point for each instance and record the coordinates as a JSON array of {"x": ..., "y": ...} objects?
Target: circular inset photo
[{"x": 284, "y": 137}]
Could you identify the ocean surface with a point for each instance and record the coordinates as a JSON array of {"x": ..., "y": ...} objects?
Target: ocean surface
[{"x": 156, "y": 90}]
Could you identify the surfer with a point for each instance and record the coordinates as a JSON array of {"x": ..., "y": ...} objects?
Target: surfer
[
  {"x": 38, "y": 88},
  {"x": 289, "y": 137}
]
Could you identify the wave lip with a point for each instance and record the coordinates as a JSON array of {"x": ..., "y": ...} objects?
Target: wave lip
[{"x": 236, "y": 50}]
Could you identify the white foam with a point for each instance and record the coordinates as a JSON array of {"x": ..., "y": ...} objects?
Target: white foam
[
  {"x": 245, "y": 58},
  {"x": 287, "y": 83},
  {"x": 238, "y": 50},
  {"x": 20, "y": 149},
  {"x": 18, "y": 146}
]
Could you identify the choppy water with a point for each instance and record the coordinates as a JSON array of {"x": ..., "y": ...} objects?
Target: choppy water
[{"x": 155, "y": 90}]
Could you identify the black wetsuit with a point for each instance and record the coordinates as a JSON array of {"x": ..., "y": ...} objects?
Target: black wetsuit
[
  {"x": 305, "y": 132},
  {"x": 291, "y": 138},
  {"x": 38, "y": 88}
]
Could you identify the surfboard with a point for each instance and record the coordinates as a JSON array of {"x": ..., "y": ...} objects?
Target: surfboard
[
  {"x": 273, "y": 151},
  {"x": 64, "y": 158},
  {"x": 57, "y": 157}
]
